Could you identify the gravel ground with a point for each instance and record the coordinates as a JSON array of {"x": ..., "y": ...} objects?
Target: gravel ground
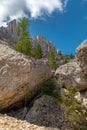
[{"x": 10, "y": 123}]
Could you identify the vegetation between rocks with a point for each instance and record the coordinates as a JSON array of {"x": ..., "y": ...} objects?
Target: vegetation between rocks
[
  {"x": 50, "y": 88},
  {"x": 76, "y": 113}
]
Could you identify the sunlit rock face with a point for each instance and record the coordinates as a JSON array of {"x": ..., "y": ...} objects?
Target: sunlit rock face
[
  {"x": 71, "y": 74},
  {"x": 19, "y": 75},
  {"x": 75, "y": 72},
  {"x": 81, "y": 56}
]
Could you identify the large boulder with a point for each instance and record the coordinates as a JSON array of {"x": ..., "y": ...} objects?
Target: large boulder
[
  {"x": 75, "y": 72},
  {"x": 48, "y": 112},
  {"x": 71, "y": 74},
  {"x": 19, "y": 75},
  {"x": 81, "y": 56}
]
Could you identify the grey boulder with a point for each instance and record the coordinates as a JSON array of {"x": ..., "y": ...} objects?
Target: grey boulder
[{"x": 19, "y": 75}]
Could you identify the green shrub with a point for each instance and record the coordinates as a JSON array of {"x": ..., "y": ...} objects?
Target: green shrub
[
  {"x": 49, "y": 88},
  {"x": 75, "y": 113}
]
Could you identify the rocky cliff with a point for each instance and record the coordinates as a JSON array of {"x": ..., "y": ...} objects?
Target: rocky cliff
[
  {"x": 9, "y": 33},
  {"x": 45, "y": 45}
]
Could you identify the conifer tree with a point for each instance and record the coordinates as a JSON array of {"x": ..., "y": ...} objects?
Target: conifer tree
[
  {"x": 24, "y": 43},
  {"x": 38, "y": 52},
  {"x": 52, "y": 60}
]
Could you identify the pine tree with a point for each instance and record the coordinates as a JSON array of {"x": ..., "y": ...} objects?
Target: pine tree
[
  {"x": 52, "y": 60},
  {"x": 38, "y": 52},
  {"x": 24, "y": 43}
]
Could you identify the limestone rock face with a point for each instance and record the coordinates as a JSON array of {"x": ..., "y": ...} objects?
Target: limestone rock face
[
  {"x": 71, "y": 74},
  {"x": 81, "y": 55},
  {"x": 46, "y": 111},
  {"x": 19, "y": 75},
  {"x": 45, "y": 45},
  {"x": 9, "y": 32}
]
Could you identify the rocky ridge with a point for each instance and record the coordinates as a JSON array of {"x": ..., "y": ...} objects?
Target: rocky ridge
[{"x": 9, "y": 34}]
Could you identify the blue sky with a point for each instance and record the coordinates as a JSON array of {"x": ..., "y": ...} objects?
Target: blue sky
[{"x": 67, "y": 29}]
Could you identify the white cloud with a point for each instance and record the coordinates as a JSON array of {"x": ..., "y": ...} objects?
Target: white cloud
[{"x": 10, "y": 9}]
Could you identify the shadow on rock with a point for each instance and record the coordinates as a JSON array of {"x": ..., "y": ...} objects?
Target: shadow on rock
[{"x": 45, "y": 111}]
